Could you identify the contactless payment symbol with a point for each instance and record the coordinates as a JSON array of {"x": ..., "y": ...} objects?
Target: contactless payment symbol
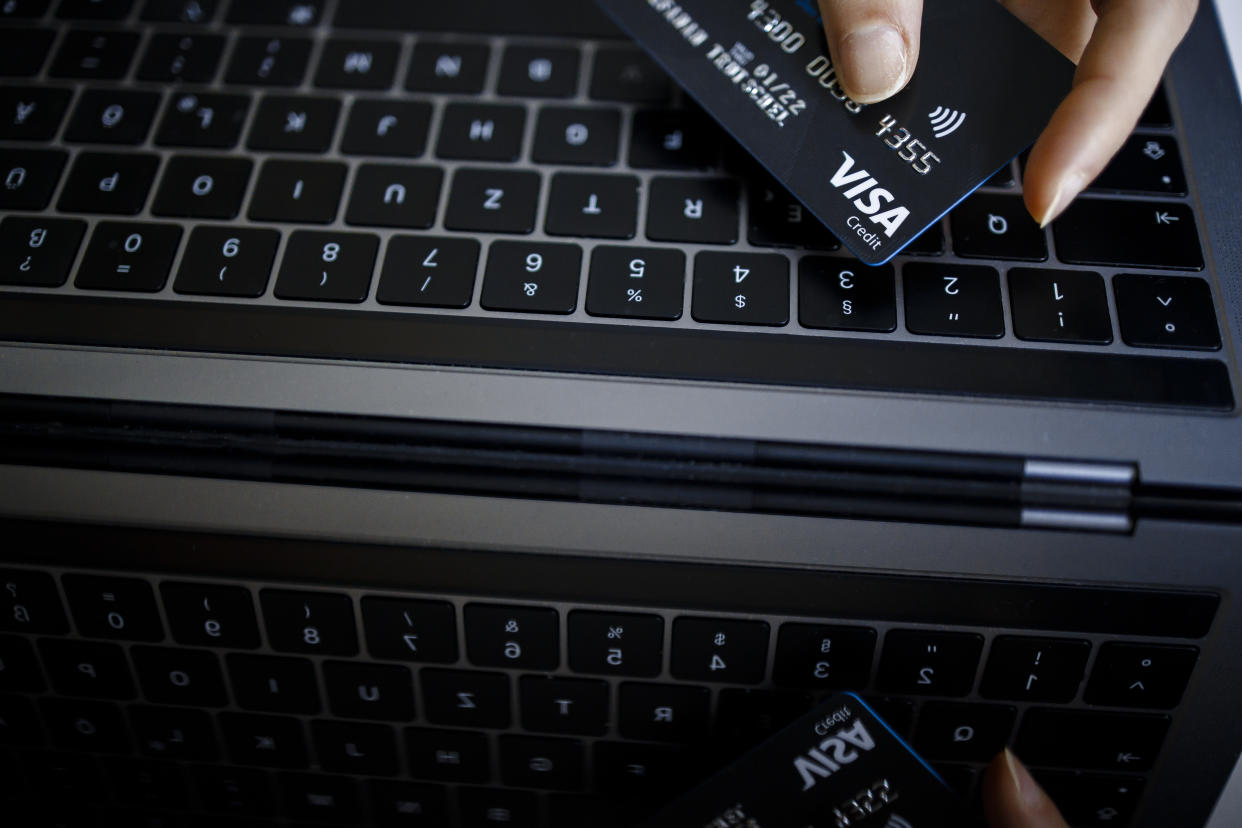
[{"x": 945, "y": 121}]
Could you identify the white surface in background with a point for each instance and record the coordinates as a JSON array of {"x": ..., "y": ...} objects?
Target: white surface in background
[{"x": 1228, "y": 813}]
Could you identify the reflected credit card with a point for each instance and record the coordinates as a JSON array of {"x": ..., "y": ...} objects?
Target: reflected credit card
[
  {"x": 839, "y": 766},
  {"x": 877, "y": 176}
]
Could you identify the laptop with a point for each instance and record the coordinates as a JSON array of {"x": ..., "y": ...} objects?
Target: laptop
[{"x": 385, "y": 440}]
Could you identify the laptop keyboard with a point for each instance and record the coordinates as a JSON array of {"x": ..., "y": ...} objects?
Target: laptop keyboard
[
  {"x": 153, "y": 698},
  {"x": 165, "y": 151}
]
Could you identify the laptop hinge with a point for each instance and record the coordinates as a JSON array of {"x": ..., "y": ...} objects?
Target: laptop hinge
[{"x": 1082, "y": 496}]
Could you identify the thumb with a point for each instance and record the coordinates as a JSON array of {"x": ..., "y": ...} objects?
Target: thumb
[
  {"x": 1013, "y": 799},
  {"x": 874, "y": 44}
]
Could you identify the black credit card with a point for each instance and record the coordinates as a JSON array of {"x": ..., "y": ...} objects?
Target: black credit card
[
  {"x": 877, "y": 176},
  {"x": 839, "y": 766}
]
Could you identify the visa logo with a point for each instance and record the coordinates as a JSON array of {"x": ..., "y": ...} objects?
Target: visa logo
[
  {"x": 826, "y": 758},
  {"x": 876, "y": 197}
]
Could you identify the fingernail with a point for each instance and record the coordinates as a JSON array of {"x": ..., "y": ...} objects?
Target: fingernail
[
  {"x": 1028, "y": 791},
  {"x": 1071, "y": 185},
  {"x": 874, "y": 60}
]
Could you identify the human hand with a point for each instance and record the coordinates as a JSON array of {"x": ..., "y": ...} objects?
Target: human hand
[
  {"x": 1121, "y": 48},
  {"x": 1012, "y": 799}
]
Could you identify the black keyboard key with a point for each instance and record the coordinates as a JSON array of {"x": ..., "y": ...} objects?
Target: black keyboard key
[
  {"x": 929, "y": 663},
  {"x": 534, "y": 762},
  {"x": 556, "y": 705},
  {"x": 963, "y": 732},
  {"x": 95, "y": 55},
  {"x": 180, "y": 676},
  {"x": 180, "y": 11},
  {"x": 438, "y": 273},
  {"x": 997, "y": 227},
  {"x": 1144, "y": 164},
  {"x": 1166, "y": 312},
  {"x": 298, "y": 191},
  {"x": 107, "y": 607},
  {"x": 227, "y": 261},
  {"x": 203, "y": 120},
  {"x": 447, "y": 755},
  {"x": 369, "y": 691},
  {"x": 407, "y": 804},
  {"x": 275, "y": 684},
  {"x": 59, "y": 776},
  {"x": 953, "y": 300},
  {"x": 238, "y": 791},
  {"x": 22, "y": 51},
  {"x": 1003, "y": 177},
  {"x": 182, "y": 57},
  {"x": 1060, "y": 306},
  {"x": 575, "y": 810},
  {"x": 693, "y": 210},
  {"x": 358, "y": 64},
  {"x": 211, "y": 615},
  {"x": 838, "y": 294},
  {"x": 108, "y": 183},
  {"x": 510, "y": 636},
  {"x": 268, "y": 61},
  {"x": 492, "y": 201},
  {"x": 616, "y": 643},
  {"x": 328, "y": 267},
  {"x": 294, "y": 124},
  {"x": 147, "y": 783},
  {"x": 465, "y": 698},
  {"x": 408, "y": 630},
  {"x": 717, "y": 649},
  {"x": 1088, "y": 739},
  {"x": 539, "y": 72},
  {"x": 1157, "y": 113},
  {"x": 481, "y": 132},
  {"x": 112, "y": 116},
  {"x": 29, "y": 602},
  {"x": 270, "y": 741},
  {"x": 350, "y": 747},
  {"x": 23, "y": 9},
  {"x": 741, "y": 288},
  {"x": 488, "y": 807},
  {"x": 381, "y": 126},
  {"x": 31, "y": 113},
  {"x": 280, "y": 13},
  {"x": 309, "y": 622},
  {"x": 744, "y": 718},
  {"x": 316, "y": 797},
  {"x": 530, "y": 277},
  {"x": 129, "y": 257},
  {"x": 1093, "y": 800},
  {"x": 929, "y": 243},
  {"x": 174, "y": 733},
  {"x": 636, "y": 283},
  {"x": 641, "y": 773},
  {"x": 823, "y": 656},
  {"x": 627, "y": 74},
  {"x": 38, "y": 251},
  {"x": 90, "y": 726},
  {"x": 1140, "y": 675},
  {"x": 202, "y": 187},
  {"x": 448, "y": 67},
  {"x": 19, "y": 723},
  {"x": 1095, "y": 231},
  {"x": 391, "y": 195},
  {"x": 777, "y": 219},
  {"x": 571, "y": 135},
  {"x": 598, "y": 206},
  {"x": 1025, "y": 668},
  {"x": 94, "y": 9},
  {"x": 663, "y": 712},
  {"x": 87, "y": 668},
  {"x": 19, "y": 671},
  {"x": 673, "y": 139},
  {"x": 29, "y": 177}
]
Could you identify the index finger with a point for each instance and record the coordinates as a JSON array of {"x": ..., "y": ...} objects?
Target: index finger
[{"x": 1119, "y": 71}]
